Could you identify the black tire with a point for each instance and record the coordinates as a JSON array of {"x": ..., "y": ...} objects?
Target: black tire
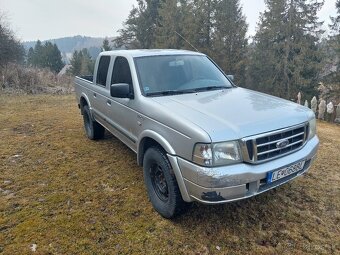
[
  {"x": 161, "y": 184},
  {"x": 93, "y": 129}
]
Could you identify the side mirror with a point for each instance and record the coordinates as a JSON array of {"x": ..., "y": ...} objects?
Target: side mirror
[
  {"x": 121, "y": 90},
  {"x": 231, "y": 77}
]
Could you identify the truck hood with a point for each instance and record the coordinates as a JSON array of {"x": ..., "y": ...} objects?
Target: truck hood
[{"x": 235, "y": 113}]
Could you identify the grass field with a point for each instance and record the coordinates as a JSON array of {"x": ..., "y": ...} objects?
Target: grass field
[{"x": 69, "y": 195}]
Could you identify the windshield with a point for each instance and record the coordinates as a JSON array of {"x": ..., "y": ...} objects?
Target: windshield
[{"x": 177, "y": 74}]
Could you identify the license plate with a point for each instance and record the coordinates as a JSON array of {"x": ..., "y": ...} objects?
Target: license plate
[{"x": 283, "y": 172}]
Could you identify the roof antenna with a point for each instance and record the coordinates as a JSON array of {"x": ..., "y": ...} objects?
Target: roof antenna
[{"x": 186, "y": 41}]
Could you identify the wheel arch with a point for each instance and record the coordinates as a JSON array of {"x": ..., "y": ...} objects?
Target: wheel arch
[
  {"x": 84, "y": 101},
  {"x": 150, "y": 138}
]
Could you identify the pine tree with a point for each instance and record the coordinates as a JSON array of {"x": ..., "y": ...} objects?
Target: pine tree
[
  {"x": 75, "y": 63},
  {"x": 198, "y": 24},
  {"x": 215, "y": 27},
  {"x": 170, "y": 24},
  {"x": 81, "y": 63},
  {"x": 56, "y": 59},
  {"x": 139, "y": 28},
  {"x": 30, "y": 57},
  {"x": 229, "y": 39},
  {"x": 106, "y": 45},
  {"x": 38, "y": 54},
  {"x": 128, "y": 35},
  {"x": 285, "y": 58},
  {"x": 334, "y": 43},
  {"x": 204, "y": 12},
  {"x": 335, "y": 26},
  {"x": 87, "y": 64},
  {"x": 45, "y": 56}
]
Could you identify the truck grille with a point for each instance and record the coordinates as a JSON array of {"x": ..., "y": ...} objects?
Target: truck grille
[{"x": 264, "y": 147}]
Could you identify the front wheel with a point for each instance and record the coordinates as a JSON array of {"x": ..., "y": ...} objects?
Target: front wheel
[
  {"x": 93, "y": 129},
  {"x": 161, "y": 184}
]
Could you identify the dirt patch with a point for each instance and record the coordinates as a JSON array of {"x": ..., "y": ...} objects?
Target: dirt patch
[
  {"x": 63, "y": 194},
  {"x": 24, "y": 129}
]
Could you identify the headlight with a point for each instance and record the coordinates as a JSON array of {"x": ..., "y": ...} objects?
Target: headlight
[
  {"x": 217, "y": 154},
  {"x": 312, "y": 128}
]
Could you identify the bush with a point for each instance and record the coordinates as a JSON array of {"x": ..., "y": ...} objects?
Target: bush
[{"x": 29, "y": 80}]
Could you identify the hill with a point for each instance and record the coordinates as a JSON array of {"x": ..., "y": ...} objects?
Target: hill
[{"x": 67, "y": 45}]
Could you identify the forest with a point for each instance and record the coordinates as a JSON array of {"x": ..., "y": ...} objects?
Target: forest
[{"x": 290, "y": 52}]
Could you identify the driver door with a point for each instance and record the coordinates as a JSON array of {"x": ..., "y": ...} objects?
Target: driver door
[{"x": 121, "y": 116}]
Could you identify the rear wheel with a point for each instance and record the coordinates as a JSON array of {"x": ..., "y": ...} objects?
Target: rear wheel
[
  {"x": 93, "y": 129},
  {"x": 161, "y": 184}
]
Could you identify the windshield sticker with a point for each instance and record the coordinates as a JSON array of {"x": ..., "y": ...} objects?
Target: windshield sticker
[
  {"x": 146, "y": 89},
  {"x": 176, "y": 63}
]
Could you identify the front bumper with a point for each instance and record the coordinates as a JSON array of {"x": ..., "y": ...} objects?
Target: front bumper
[{"x": 229, "y": 183}]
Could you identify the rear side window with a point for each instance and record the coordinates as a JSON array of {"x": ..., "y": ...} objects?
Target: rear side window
[
  {"x": 121, "y": 71},
  {"x": 103, "y": 67}
]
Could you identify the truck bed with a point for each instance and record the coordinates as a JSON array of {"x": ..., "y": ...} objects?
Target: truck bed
[{"x": 87, "y": 77}]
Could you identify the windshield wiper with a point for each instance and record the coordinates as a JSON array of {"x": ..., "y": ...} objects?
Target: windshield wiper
[
  {"x": 184, "y": 91},
  {"x": 212, "y": 88},
  {"x": 170, "y": 92}
]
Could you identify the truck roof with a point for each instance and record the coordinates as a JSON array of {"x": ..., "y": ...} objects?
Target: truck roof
[{"x": 149, "y": 52}]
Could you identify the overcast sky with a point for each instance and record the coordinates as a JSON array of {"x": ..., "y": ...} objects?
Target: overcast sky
[{"x": 49, "y": 19}]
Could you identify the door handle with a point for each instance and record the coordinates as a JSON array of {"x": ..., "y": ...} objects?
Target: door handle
[
  {"x": 108, "y": 102},
  {"x": 94, "y": 94},
  {"x": 140, "y": 119}
]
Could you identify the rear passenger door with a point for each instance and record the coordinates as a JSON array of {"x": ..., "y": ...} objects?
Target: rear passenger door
[{"x": 100, "y": 89}]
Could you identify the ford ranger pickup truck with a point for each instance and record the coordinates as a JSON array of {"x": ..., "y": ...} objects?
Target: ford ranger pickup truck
[{"x": 196, "y": 134}]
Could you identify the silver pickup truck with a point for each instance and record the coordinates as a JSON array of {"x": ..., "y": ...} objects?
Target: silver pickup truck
[{"x": 197, "y": 135}]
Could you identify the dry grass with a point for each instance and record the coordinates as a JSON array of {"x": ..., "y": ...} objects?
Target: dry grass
[
  {"x": 69, "y": 195},
  {"x": 18, "y": 79}
]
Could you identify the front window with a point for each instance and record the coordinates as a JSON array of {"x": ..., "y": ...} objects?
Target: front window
[{"x": 178, "y": 74}]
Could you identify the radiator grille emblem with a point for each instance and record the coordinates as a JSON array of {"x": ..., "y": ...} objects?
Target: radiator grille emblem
[{"x": 282, "y": 144}]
